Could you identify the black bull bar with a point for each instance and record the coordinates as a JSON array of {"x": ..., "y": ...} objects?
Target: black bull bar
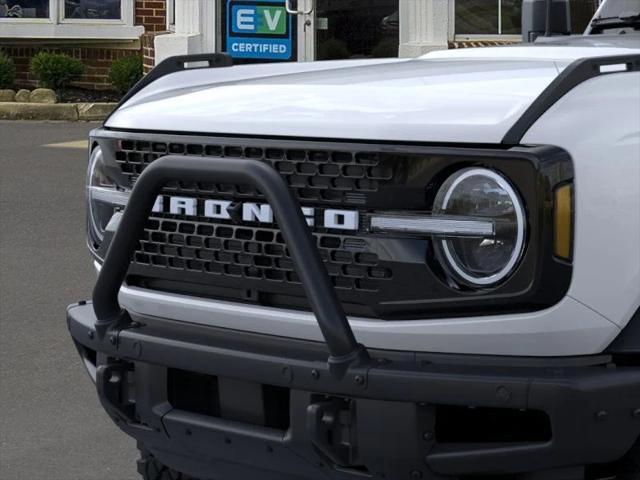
[{"x": 341, "y": 343}]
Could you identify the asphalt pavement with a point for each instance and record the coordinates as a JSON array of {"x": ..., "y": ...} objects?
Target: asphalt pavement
[{"x": 51, "y": 424}]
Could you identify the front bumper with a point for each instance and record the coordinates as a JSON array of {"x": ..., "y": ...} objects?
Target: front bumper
[{"x": 337, "y": 428}]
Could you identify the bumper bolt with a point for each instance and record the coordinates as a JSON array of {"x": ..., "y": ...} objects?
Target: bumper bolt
[
  {"x": 113, "y": 340},
  {"x": 601, "y": 415},
  {"x": 91, "y": 334},
  {"x": 287, "y": 374},
  {"x": 315, "y": 374},
  {"x": 503, "y": 394},
  {"x": 416, "y": 474},
  {"x": 187, "y": 432},
  {"x": 359, "y": 379},
  {"x": 427, "y": 436}
]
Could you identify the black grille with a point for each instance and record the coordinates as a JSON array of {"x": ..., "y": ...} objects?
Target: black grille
[
  {"x": 253, "y": 253},
  {"x": 315, "y": 175},
  {"x": 390, "y": 276},
  {"x": 218, "y": 252}
]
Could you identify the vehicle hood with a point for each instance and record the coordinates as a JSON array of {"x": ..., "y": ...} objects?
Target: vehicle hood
[{"x": 472, "y": 96}]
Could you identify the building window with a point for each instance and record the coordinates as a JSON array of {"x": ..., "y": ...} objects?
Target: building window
[
  {"x": 69, "y": 19},
  {"x": 93, "y": 9},
  {"x": 504, "y": 17},
  {"x": 17, "y": 9},
  {"x": 488, "y": 17}
]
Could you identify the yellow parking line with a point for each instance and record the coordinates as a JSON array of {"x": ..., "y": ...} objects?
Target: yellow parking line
[{"x": 79, "y": 144}]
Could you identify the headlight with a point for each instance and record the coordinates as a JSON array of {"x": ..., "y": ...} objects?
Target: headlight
[
  {"x": 104, "y": 197},
  {"x": 483, "y": 260}
]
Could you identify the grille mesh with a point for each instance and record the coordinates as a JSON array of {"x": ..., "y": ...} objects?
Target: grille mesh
[
  {"x": 225, "y": 251},
  {"x": 253, "y": 253},
  {"x": 314, "y": 175}
]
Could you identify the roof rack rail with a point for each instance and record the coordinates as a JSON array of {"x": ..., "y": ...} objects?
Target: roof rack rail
[
  {"x": 576, "y": 73},
  {"x": 175, "y": 64}
]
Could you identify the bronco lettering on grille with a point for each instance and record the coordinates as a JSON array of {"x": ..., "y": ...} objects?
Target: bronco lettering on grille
[{"x": 250, "y": 212}]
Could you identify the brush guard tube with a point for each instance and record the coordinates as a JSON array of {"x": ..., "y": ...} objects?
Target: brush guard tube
[{"x": 341, "y": 343}]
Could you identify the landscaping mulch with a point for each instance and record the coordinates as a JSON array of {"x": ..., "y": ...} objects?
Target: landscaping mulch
[{"x": 80, "y": 95}]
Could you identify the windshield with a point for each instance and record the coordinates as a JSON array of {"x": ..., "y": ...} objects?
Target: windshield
[
  {"x": 620, "y": 15},
  {"x": 618, "y": 8}
]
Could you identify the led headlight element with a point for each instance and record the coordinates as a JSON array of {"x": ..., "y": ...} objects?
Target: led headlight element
[
  {"x": 104, "y": 197},
  {"x": 483, "y": 194},
  {"x": 433, "y": 225}
]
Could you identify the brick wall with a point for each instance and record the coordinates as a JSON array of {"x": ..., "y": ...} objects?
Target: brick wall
[
  {"x": 153, "y": 15},
  {"x": 96, "y": 60},
  {"x": 148, "y": 51},
  {"x": 149, "y": 13}
]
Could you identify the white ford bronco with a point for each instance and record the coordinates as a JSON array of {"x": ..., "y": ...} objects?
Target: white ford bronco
[{"x": 389, "y": 269}]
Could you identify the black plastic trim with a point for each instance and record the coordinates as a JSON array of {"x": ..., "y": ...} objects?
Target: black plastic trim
[
  {"x": 576, "y": 73},
  {"x": 172, "y": 65},
  {"x": 628, "y": 342},
  {"x": 591, "y": 404}
]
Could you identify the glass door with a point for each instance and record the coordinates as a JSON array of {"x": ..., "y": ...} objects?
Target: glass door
[
  {"x": 255, "y": 31},
  {"x": 349, "y": 29}
]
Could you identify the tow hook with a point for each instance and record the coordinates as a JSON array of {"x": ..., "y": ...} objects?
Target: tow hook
[
  {"x": 331, "y": 426},
  {"x": 111, "y": 382}
]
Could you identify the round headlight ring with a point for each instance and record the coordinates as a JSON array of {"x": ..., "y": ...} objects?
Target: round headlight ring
[
  {"x": 103, "y": 196},
  {"x": 444, "y": 247},
  {"x": 93, "y": 172}
]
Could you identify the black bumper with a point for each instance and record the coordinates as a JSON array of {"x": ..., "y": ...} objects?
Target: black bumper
[{"x": 385, "y": 419}]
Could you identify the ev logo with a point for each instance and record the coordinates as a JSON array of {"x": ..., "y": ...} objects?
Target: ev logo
[
  {"x": 259, "y": 30},
  {"x": 261, "y": 20}
]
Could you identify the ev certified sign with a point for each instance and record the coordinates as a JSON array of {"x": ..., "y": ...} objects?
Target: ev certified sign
[{"x": 259, "y": 29}]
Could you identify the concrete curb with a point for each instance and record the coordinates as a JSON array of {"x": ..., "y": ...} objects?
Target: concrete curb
[
  {"x": 69, "y": 112},
  {"x": 95, "y": 111}
]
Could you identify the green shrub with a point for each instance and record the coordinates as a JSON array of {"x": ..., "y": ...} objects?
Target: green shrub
[
  {"x": 55, "y": 70},
  {"x": 386, "y": 48},
  {"x": 125, "y": 72},
  {"x": 333, "y": 49},
  {"x": 7, "y": 71}
]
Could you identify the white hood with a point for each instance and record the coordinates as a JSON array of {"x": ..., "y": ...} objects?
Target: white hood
[{"x": 471, "y": 96}]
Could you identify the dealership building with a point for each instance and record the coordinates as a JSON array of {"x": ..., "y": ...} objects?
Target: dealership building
[{"x": 100, "y": 31}]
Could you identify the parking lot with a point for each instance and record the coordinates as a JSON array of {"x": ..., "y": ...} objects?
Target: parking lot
[{"x": 51, "y": 424}]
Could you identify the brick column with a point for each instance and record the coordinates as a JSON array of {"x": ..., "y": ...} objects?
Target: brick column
[{"x": 152, "y": 15}]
